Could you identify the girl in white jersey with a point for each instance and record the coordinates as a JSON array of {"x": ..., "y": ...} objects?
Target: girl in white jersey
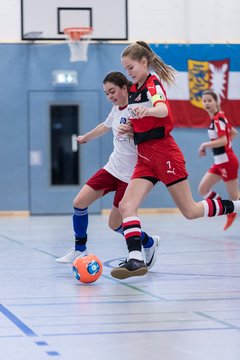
[
  {"x": 114, "y": 176},
  {"x": 226, "y": 164}
]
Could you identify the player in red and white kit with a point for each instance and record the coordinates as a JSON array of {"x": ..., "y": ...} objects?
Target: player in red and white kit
[
  {"x": 114, "y": 176},
  {"x": 159, "y": 157},
  {"x": 226, "y": 164}
]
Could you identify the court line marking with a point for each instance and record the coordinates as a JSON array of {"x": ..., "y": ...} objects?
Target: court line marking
[
  {"x": 24, "y": 328},
  {"x": 222, "y": 322},
  {"x": 137, "y": 288},
  {"x": 140, "y": 331},
  {"x": 16, "y": 321}
]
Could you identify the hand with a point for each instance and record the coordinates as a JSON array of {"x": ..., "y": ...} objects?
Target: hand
[
  {"x": 141, "y": 111},
  {"x": 124, "y": 128},
  {"x": 202, "y": 150},
  {"x": 130, "y": 133},
  {"x": 81, "y": 139}
]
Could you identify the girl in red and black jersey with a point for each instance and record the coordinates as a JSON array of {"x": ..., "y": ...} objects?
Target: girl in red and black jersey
[
  {"x": 226, "y": 164},
  {"x": 159, "y": 157}
]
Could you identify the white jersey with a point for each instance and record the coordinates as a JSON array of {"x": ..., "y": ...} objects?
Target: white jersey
[{"x": 124, "y": 156}]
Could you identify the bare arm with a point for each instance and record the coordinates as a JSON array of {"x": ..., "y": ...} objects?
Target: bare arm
[
  {"x": 160, "y": 110},
  {"x": 233, "y": 133},
  {"x": 98, "y": 131},
  {"x": 222, "y": 141}
]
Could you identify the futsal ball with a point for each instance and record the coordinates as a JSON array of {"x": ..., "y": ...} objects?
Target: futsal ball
[{"x": 87, "y": 269}]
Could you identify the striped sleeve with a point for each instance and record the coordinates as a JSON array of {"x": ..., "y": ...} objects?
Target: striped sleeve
[{"x": 220, "y": 126}]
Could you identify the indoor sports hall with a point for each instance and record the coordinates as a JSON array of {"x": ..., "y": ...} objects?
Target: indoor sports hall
[{"x": 54, "y": 57}]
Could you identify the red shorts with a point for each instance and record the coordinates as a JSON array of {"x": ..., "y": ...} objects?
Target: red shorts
[
  {"x": 103, "y": 180},
  {"x": 161, "y": 159},
  {"x": 228, "y": 170}
]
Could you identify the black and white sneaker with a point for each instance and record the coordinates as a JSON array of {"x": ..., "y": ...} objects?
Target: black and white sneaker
[
  {"x": 151, "y": 253},
  {"x": 128, "y": 268}
]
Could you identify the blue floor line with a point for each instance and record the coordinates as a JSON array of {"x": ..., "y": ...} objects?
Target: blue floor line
[
  {"x": 17, "y": 322},
  {"x": 24, "y": 328}
]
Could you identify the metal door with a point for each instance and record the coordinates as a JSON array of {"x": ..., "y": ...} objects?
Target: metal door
[{"x": 58, "y": 167}]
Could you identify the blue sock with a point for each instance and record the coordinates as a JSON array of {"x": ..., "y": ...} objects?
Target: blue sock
[
  {"x": 81, "y": 248},
  {"x": 80, "y": 225},
  {"x": 147, "y": 241},
  {"x": 119, "y": 230}
]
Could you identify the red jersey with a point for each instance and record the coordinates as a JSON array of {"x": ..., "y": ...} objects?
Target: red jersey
[
  {"x": 148, "y": 95},
  {"x": 159, "y": 157},
  {"x": 219, "y": 127}
]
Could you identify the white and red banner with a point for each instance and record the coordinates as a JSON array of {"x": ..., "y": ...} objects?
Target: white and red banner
[{"x": 201, "y": 67}]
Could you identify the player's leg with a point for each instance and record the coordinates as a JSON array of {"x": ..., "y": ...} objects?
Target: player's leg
[
  {"x": 229, "y": 173},
  {"x": 115, "y": 220},
  {"x": 232, "y": 187},
  {"x": 82, "y": 201},
  {"x": 98, "y": 185},
  {"x": 206, "y": 186},
  {"x": 149, "y": 243},
  {"x": 128, "y": 207},
  {"x": 182, "y": 196}
]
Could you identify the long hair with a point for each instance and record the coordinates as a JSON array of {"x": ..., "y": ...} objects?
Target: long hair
[
  {"x": 140, "y": 50},
  {"x": 118, "y": 79}
]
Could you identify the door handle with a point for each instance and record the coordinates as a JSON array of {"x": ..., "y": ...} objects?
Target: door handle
[{"x": 74, "y": 143}]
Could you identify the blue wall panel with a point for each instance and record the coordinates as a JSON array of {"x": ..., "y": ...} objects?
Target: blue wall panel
[{"x": 29, "y": 67}]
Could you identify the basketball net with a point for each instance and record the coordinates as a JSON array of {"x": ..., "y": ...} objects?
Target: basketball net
[{"x": 78, "y": 41}]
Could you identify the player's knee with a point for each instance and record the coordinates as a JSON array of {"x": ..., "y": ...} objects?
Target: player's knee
[
  {"x": 121, "y": 207},
  {"x": 77, "y": 203},
  {"x": 201, "y": 190},
  {"x": 124, "y": 207}
]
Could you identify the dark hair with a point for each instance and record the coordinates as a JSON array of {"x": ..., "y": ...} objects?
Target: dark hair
[
  {"x": 118, "y": 79},
  {"x": 140, "y": 50},
  {"x": 212, "y": 93}
]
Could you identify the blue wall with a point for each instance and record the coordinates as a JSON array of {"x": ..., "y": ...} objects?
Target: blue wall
[{"x": 28, "y": 67}]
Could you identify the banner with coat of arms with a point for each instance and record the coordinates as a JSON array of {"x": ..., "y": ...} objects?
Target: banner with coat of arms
[{"x": 201, "y": 67}]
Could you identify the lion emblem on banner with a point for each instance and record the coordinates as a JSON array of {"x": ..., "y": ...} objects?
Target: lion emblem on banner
[{"x": 205, "y": 75}]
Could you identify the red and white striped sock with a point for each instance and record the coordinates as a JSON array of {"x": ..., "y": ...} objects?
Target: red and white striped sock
[
  {"x": 212, "y": 195},
  {"x": 132, "y": 233},
  {"x": 218, "y": 207}
]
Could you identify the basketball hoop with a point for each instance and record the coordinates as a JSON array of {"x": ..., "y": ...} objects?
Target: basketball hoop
[{"x": 78, "y": 41}]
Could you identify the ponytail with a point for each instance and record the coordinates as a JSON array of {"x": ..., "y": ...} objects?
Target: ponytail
[{"x": 140, "y": 49}]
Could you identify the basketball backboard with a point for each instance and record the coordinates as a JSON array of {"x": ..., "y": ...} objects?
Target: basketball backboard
[{"x": 46, "y": 20}]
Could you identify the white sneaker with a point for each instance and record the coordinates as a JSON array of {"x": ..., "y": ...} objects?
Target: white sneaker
[
  {"x": 151, "y": 253},
  {"x": 71, "y": 256}
]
